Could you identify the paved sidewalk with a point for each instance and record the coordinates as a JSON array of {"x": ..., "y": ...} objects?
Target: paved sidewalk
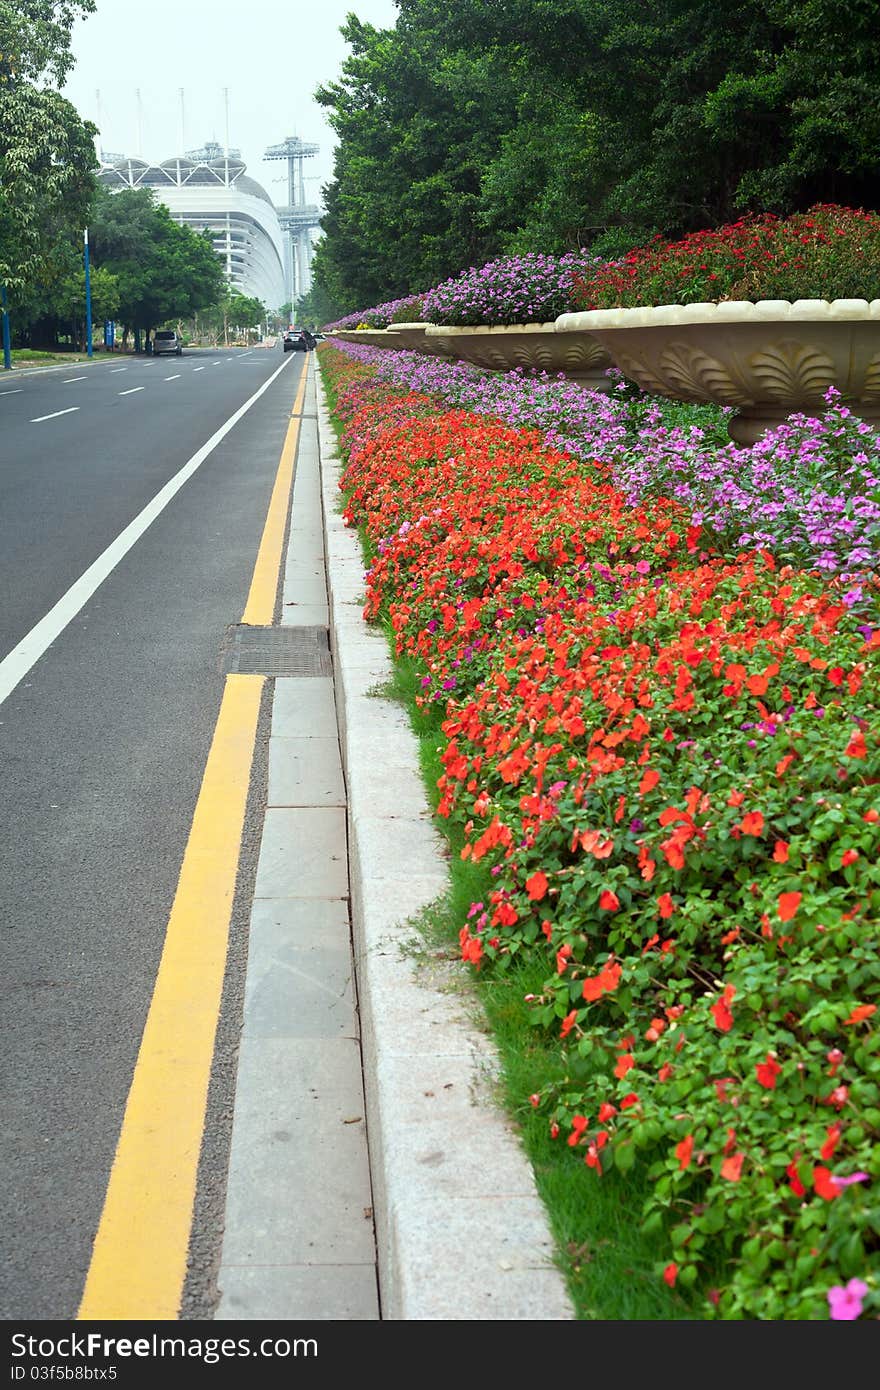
[{"x": 372, "y": 1175}]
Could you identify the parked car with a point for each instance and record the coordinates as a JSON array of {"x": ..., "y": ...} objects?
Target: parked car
[
  {"x": 295, "y": 340},
  {"x": 166, "y": 340}
]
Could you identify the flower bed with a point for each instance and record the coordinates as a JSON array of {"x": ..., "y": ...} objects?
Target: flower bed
[
  {"x": 827, "y": 253},
  {"x": 401, "y": 310},
  {"x": 665, "y": 756},
  {"x": 530, "y": 288},
  {"x": 809, "y": 491}
]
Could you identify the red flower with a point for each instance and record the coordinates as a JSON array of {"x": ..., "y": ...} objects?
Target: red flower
[
  {"x": 536, "y": 886},
  {"x": 608, "y": 901},
  {"x": 578, "y": 1125},
  {"x": 731, "y": 1168},
  {"x": 780, "y": 852},
  {"x": 824, "y": 1183},
  {"x": 568, "y": 1023},
  {"x": 665, "y": 905},
  {"x": 826, "y": 1153},
  {"x": 670, "y": 1274},
  {"x": 768, "y": 1071},
  {"x": 683, "y": 1152},
  {"x": 849, "y": 856},
  {"x": 856, "y": 748},
  {"x": 752, "y": 823},
  {"x": 604, "y": 983},
  {"x": 794, "y": 1181},
  {"x": 624, "y": 1063},
  {"x": 649, "y": 780},
  {"x": 861, "y": 1012},
  {"x": 720, "y": 1010},
  {"x": 629, "y": 1101},
  {"x": 788, "y": 904}
]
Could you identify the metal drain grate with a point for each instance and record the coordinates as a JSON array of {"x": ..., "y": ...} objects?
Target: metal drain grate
[{"x": 278, "y": 651}]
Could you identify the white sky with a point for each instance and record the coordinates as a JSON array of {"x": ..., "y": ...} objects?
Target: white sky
[{"x": 269, "y": 54}]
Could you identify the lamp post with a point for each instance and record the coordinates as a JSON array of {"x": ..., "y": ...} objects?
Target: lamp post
[
  {"x": 88, "y": 293},
  {"x": 7, "y": 355}
]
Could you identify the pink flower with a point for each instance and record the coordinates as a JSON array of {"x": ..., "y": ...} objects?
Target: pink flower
[
  {"x": 845, "y": 1303},
  {"x": 853, "y": 1177}
]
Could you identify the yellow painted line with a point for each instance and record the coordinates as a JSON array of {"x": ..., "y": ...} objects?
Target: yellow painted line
[
  {"x": 260, "y": 607},
  {"x": 138, "y": 1262}
]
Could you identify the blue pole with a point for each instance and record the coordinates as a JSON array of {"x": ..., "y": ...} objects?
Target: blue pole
[
  {"x": 7, "y": 355},
  {"x": 88, "y": 294}
]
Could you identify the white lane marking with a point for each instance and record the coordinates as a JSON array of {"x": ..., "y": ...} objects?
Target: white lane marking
[
  {"x": 15, "y": 392},
  {"x": 198, "y": 369},
  {"x": 65, "y": 379},
  {"x": 16, "y": 665},
  {"x": 55, "y": 413},
  {"x": 131, "y": 390},
  {"x": 217, "y": 364},
  {"x": 118, "y": 369},
  {"x": 176, "y": 377}
]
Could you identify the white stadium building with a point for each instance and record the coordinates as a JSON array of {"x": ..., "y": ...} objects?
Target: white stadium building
[{"x": 208, "y": 189}]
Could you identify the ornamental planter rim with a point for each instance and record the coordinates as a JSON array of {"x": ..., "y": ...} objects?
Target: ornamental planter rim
[
  {"x": 725, "y": 311},
  {"x": 766, "y": 360},
  {"x": 436, "y": 329},
  {"x": 536, "y": 347}
]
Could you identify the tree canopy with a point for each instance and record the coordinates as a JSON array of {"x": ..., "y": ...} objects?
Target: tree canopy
[
  {"x": 47, "y": 155},
  {"x": 164, "y": 269},
  {"x": 479, "y": 127}
]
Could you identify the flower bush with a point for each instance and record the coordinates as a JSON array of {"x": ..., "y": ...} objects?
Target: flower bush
[
  {"x": 530, "y": 288},
  {"x": 664, "y": 753},
  {"x": 404, "y": 310},
  {"x": 809, "y": 491},
  {"x": 829, "y": 252}
]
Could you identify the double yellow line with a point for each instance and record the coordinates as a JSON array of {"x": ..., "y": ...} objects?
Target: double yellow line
[{"x": 138, "y": 1263}]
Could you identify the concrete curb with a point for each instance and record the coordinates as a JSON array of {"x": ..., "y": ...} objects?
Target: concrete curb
[{"x": 461, "y": 1231}]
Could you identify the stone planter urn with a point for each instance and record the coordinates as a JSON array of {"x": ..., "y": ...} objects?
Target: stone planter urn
[
  {"x": 373, "y": 337},
  {"x": 411, "y": 336},
  {"x": 533, "y": 346},
  {"x": 767, "y": 360}
]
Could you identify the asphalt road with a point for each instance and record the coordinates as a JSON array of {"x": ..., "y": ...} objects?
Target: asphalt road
[{"x": 103, "y": 741}]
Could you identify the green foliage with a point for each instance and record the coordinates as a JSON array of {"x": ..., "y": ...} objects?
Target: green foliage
[
  {"x": 417, "y": 119},
  {"x": 474, "y": 128},
  {"x": 47, "y": 158},
  {"x": 164, "y": 270}
]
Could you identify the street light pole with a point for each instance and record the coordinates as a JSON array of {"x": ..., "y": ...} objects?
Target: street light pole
[
  {"x": 7, "y": 355},
  {"x": 88, "y": 293}
]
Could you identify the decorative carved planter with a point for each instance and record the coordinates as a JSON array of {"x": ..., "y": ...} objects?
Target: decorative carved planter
[
  {"x": 768, "y": 360},
  {"x": 373, "y": 337},
  {"x": 412, "y": 338},
  {"x": 534, "y": 346}
]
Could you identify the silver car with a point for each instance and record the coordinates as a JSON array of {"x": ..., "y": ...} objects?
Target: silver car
[{"x": 166, "y": 340}]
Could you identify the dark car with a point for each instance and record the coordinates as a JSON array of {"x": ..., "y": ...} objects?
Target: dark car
[{"x": 295, "y": 340}]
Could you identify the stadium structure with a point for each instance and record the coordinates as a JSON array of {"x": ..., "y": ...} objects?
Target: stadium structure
[{"x": 209, "y": 189}]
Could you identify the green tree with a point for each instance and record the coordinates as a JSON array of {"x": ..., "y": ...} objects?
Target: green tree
[
  {"x": 480, "y": 126},
  {"x": 47, "y": 156},
  {"x": 417, "y": 119},
  {"x": 316, "y": 307},
  {"x": 164, "y": 269}
]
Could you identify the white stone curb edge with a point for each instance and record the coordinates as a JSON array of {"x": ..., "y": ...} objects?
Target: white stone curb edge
[{"x": 461, "y": 1231}]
